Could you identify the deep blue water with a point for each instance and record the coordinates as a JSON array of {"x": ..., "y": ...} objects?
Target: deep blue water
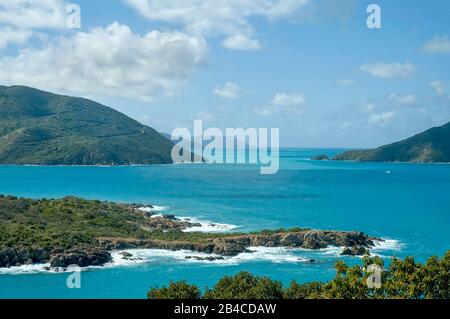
[{"x": 406, "y": 203}]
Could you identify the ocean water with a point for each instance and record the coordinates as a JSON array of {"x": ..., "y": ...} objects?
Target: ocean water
[{"x": 407, "y": 204}]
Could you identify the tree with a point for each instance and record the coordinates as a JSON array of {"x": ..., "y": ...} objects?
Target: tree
[
  {"x": 176, "y": 290},
  {"x": 402, "y": 279},
  {"x": 245, "y": 286}
]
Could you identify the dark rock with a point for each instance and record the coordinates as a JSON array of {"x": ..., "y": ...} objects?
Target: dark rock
[
  {"x": 82, "y": 257},
  {"x": 126, "y": 255},
  {"x": 15, "y": 257},
  {"x": 355, "y": 251},
  {"x": 321, "y": 157},
  {"x": 209, "y": 258}
]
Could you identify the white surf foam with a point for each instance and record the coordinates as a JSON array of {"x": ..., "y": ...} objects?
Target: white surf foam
[
  {"x": 206, "y": 226},
  {"x": 271, "y": 254},
  {"x": 257, "y": 254},
  {"x": 153, "y": 209},
  {"x": 141, "y": 256},
  {"x": 25, "y": 269},
  {"x": 388, "y": 244}
]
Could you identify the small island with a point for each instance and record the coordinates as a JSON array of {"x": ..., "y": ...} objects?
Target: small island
[
  {"x": 321, "y": 157},
  {"x": 68, "y": 231}
]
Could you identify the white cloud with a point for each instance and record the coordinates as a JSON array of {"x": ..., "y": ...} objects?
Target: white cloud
[
  {"x": 20, "y": 19},
  {"x": 285, "y": 104},
  {"x": 381, "y": 118},
  {"x": 241, "y": 42},
  {"x": 228, "y": 91},
  {"x": 389, "y": 70},
  {"x": 368, "y": 107},
  {"x": 438, "y": 45},
  {"x": 9, "y": 35},
  {"x": 345, "y": 82},
  {"x": 205, "y": 116},
  {"x": 229, "y": 18},
  {"x": 438, "y": 87},
  {"x": 108, "y": 62},
  {"x": 402, "y": 99},
  {"x": 32, "y": 14}
]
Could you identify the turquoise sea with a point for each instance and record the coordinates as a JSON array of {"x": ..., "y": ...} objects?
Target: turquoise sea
[{"x": 407, "y": 204}]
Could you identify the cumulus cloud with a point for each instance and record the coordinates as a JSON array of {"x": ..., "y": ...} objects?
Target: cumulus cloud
[
  {"x": 228, "y": 18},
  {"x": 438, "y": 45},
  {"x": 285, "y": 104},
  {"x": 228, "y": 91},
  {"x": 108, "y": 62},
  {"x": 368, "y": 107},
  {"x": 381, "y": 118},
  {"x": 389, "y": 70},
  {"x": 9, "y": 35},
  {"x": 438, "y": 87},
  {"x": 20, "y": 18},
  {"x": 402, "y": 99},
  {"x": 241, "y": 42},
  {"x": 31, "y": 14}
]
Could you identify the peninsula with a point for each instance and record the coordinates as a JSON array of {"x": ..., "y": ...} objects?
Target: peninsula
[
  {"x": 431, "y": 146},
  {"x": 72, "y": 230}
]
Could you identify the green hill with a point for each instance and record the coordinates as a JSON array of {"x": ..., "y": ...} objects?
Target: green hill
[
  {"x": 42, "y": 128},
  {"x": 431, "y": 146}
]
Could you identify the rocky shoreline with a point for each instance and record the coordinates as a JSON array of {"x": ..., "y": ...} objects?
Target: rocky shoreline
[
  {"x": 146, "y": 230},
  {"x": 352, "y": 243}
]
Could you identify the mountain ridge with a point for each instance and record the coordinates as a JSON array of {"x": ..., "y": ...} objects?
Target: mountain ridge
[
  {"x": 43, "y": 128},
  {"x": 430, "y": 146}
]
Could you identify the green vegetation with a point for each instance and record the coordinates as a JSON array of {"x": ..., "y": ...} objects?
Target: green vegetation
[
  {"x": 245, "y": 286},
  {"x": 403, "y": 279},
  {"x": 71, "y": 221},
  {"x": 62, "y": 223},
  {"x": 41, "y": 128},
  {"x": 431, "y": 146},
  {"x": 176, "y": 290}
]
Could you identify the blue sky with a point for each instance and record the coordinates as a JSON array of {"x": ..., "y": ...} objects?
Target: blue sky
[{"x": 311, "y": 68}]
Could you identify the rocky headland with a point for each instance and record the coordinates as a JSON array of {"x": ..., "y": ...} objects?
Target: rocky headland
[{"x": 73, "y": 231}]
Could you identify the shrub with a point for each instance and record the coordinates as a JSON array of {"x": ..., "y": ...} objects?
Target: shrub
[{"x": 176, "y": 290}]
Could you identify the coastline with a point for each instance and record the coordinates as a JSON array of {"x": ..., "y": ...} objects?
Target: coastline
[
  {"x": 141, "y": 256},
  {"x": 155, "y": 231}
]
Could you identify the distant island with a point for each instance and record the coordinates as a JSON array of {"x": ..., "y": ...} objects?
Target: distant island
[
  {"x": 42, "y": 128},
  {"x": 321, "y": 157},
  {"x": 67, "y": 231},
  {"x": 431, "y": 146}
]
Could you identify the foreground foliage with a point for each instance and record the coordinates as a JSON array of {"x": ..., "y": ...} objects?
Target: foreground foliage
[{"x": 402, "y": 279}]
